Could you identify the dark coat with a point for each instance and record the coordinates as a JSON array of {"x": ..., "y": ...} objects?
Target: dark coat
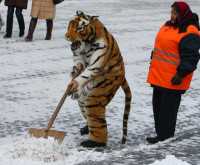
[
  {"x": 189, "y": 54},
  {"x": 22, "y": 4}
]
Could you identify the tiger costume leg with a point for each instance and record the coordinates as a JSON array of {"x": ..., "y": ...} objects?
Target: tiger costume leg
[
  {"x": 95, "y": 104},
  {"x": 83, "y": 110},
  {"x": 84, "y": 130},
  {"x": 97, "y": 124}
]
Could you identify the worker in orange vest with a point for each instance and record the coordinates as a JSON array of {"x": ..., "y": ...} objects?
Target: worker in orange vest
[{"x": 174, "y": 58}]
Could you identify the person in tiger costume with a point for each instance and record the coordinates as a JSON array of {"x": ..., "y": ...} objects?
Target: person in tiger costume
[{"x": 97, "y": 75}]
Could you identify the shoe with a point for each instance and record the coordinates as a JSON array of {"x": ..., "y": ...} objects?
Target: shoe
[
  {"x": 84, "y": 130},
  {"x": 92, "y": 144},
  {"x": 21, "y": 33},
  {"x": 48, "y": 37},
  {"x": 156, "y": 139},
  {"x": 7, "y": 36},
  {"x": 153, "y": 140},
  {"x": 28, "y": 38}
]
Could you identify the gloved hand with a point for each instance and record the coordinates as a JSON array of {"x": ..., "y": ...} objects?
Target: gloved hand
[{"x": 176, "y": 80}]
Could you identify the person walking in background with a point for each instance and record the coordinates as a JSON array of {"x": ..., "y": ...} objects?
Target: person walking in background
[
  {"x": 17, "y": 6},
  {"x": 174, "y": 58},
  {"x": 41, "y": 9}
]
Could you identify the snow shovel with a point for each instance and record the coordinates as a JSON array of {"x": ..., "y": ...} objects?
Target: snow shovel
[{"x": 46, "y": 132}]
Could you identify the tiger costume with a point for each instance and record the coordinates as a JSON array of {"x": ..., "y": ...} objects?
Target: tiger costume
[{"x": 99, "y": 71}]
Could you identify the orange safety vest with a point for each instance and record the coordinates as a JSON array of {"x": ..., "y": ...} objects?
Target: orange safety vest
[{"x": 166, "y": 58}]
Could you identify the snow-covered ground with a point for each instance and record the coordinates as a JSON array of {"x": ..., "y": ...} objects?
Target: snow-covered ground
[{"x": 34, "y": 75}]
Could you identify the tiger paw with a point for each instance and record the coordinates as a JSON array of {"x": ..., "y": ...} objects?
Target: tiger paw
[{"x": 92, "y": 144}]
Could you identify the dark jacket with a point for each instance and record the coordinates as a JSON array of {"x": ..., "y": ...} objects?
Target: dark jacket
[
  {"x": 189, "y": 54},
  {"x": 22, "y": 4}
]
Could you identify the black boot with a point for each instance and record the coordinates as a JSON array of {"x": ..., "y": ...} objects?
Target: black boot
[
  {"x": 92, "y": 144},
  {"x": 49, "y": 29},
  {"x": 31, "y": 29},
  {"x": 7, "y": 36},
  {"x": 84, "y": 130},
  {"x": 152, "y": 140},
  {"x": 156, "y": 139}
]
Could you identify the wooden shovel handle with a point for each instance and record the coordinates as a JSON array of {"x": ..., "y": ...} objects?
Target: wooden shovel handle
[{"x": 53, "y": 117}]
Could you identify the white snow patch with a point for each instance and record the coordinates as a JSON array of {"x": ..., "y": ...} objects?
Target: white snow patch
[
  {"x": 32, "y": 151},
  {"x": 169, "y": 160}
]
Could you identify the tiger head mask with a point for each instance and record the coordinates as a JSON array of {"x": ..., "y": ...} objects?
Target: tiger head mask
[{"x": 82, "y": 28}]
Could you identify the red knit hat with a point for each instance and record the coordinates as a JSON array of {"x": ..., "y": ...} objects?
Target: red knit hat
[{"x": 183, "y": 9}]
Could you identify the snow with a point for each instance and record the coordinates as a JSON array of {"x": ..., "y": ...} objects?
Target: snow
[
  {"x": 170, "y": 159},
  {"x": 34, "y": 75},
  {"x": 43, "y": 151}
]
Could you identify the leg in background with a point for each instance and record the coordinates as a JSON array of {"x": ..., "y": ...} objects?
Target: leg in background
[
  {"x": 31, "y": 29},
  {"x": 9, "y": 22},
  {"x": 49, "y": 23},
  {"x": 20, "y": 19}
]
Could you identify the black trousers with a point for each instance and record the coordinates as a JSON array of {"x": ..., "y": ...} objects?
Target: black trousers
[
  {"x": 9, "y": 22},
  {"x": 165, "y": 108}
]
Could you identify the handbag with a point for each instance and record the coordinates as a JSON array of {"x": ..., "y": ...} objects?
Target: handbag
[{"x": 57, "y": 1}]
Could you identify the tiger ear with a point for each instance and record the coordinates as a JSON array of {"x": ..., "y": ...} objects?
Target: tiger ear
[
  {"x": 83, "y": 15},
  {"x": 92, "y": 18},
  {"x": 79, "y": 13}
]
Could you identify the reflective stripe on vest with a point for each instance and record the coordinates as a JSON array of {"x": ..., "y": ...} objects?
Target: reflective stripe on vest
[{"x": 160, "y": 56}]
